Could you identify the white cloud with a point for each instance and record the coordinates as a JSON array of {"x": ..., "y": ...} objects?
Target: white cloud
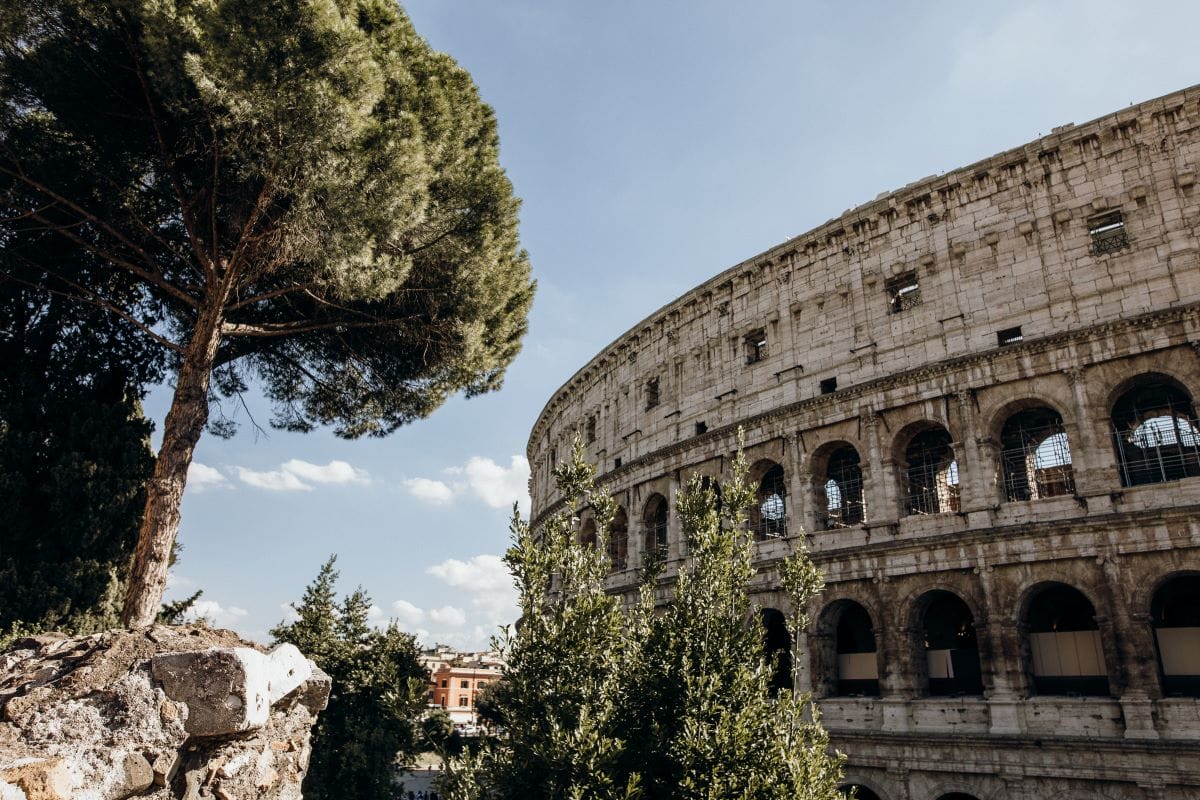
[
  {"x": 448, "y": 615},
  {"x": 333, "y": 472},
  {"x": 428, "y": 490},
  {"x": 407, "y": 614},
  {"x": 201, "y": 477},
  {"x": 496, "y": 486},
  {"x": 298, "y": 476},
  {"x": 484, "y": 583},
  {"x": 289, "y": 613},
  {"x": 217, "y": 615}
]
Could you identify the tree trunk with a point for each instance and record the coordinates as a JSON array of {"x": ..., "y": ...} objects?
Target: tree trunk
[{"x": 184, "y": 424}]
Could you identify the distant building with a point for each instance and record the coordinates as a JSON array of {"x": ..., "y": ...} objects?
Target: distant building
[{"x": 457, "y": 678}]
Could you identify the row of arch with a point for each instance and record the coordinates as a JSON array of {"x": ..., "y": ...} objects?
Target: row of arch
[
  {"x": 1062, "y": 644},
  {"x": 1155, "y": 435},
  {"x": 859, "y": 792}
]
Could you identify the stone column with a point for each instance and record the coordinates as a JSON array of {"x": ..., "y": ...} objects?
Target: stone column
[
  {"x": 880, "y": 488},
  {"x": 1091, "y": 459},
  {"x": 676, "y": 546},
  {"x": 1000, "y": 646},
  {"x": 896, "y": 680},
  {"x": 1129, "y": 644},
  {"x": 973, "y": 472}
]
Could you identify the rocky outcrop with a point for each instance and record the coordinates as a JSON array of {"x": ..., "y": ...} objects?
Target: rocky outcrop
[{"x": 184, "y": 712}]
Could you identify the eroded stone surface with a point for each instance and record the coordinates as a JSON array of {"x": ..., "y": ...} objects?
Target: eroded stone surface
[{"x": 87, "y": 718}]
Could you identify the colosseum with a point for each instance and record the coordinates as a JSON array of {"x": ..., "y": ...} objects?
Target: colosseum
[{"x": 972, "y": 399}]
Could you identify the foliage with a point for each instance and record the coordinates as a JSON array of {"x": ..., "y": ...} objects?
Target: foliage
[
  {"x": 379, "y": 690},
  {"x": 671, "y": 702},
  {"x": 300, "y": 192},
  {"x": 74, "y": 456}
]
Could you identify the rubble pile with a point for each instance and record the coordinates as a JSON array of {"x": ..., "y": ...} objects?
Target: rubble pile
[{"x": 170, "y": 712}]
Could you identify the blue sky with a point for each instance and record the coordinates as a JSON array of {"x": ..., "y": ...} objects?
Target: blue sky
[{"x": 654, "y": 144}]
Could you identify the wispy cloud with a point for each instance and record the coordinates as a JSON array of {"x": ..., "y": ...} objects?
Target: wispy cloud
[
  {"x": 407, "y": 614},
  {"x": 481, "y": 477},
  {"x": 431, "y": 491},
  {"x": 201, "y": 478},
  {"x": 485, "y": 584},
  {"x": 448, "y": 615},
  {"x": 299, "y": 476},
  {"x": 218, "y": 616}
]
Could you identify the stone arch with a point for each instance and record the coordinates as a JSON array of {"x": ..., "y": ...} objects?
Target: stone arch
[
  {"x": 860, "y": 791},
  {"x": 777, "y": 648},
  {"x": 928, "y": 469},
  {"x": 587, "y": 532},
  {"x": 1034, "y": 453},
  {"x": 1155, "y": 431},
  {"x": 768, "y": 515},
  {"x": 1063, "y": 650},
  {"x": 837, "y": 474},
  {"x": 1175, "y": 622},
  {"x": 655, "y": 522},
  {"x": 618, "y": 539},
  {"x": 947, "y": 661},
  {"x": 846, "y": 650}
]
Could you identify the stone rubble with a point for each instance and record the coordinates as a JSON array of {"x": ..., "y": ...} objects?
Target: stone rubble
[{"x": 183, "y": 712}]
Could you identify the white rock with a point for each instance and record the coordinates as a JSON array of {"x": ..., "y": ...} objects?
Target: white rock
[
  {"x": 226, "y": 689},
  {"x": 289, "y": 668}
]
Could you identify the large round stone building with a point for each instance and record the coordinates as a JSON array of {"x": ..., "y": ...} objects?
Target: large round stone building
[{"x": 974, "y": 401}]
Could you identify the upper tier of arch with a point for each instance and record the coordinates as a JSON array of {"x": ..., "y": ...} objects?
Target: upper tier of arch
[{"x": 1024, "y": 245}]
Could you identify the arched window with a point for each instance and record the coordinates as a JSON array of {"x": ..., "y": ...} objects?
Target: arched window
[
  {"x": 857, "y": 792},
  {"x": 843, "y": 489},
  {"x": 587, "y": 533},
  {"x": 1175, "y": 615},
  {"x": 618, "y": 540},
  {"x": 1156, "y": 435},
  {"x": 654, "y": 518},
  {"x": 854, "y": 641},
  {"x": 931, "y": 474},
  {"x": 768, "y": 516},
  {"x": 1035, "y": 457},
  {"x": 1064, "y": 642},
  {"x": 777, "y": 647},
  {"x": 951, "y": 649}
]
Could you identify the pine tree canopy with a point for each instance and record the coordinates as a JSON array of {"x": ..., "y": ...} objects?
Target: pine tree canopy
[
  {"x": 312, "y": 168},
  {"x": 300, "y": 192}
]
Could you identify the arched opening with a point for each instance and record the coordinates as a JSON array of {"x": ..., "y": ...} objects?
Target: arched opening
[
  {"x": 930, "y": 474},
  {"x": 858, "y": 792},
  {"x": 654, "y": 520},
  {"x": 777, "y": 648},
  {"x": 1175, "y": 615},
  {"x": 1035, "y": 458},
  {"x": 1155, "y": 433},
  {"x": 843, "y": 488},
  {"x": 768, "y": 515},
  {"x": 857, "y": 662},
  {"x": 618, "y": 539},
  {"x": 950, "y": 645},
  {"x": 957, "y": 796},
  {"x": 1064, "y": 643},
  {"x": 587, "y": 533}
]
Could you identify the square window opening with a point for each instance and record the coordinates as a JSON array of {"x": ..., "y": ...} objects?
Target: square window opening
[
  {"x": 590, "y": 429},
  {"x": 616, "y": 463},
  {"x": 904, "y": 292},
  {"x": 652, "y": 397},
  {"x": 1108, "y": 232},
  {"x": 1009, "y": 336},
  {"x": 755, "y": 345},
  {"x": 829, "y": 386},
  {"x": 701, "y": 428}
]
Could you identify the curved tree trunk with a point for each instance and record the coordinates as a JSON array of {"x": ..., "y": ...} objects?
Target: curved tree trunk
[{"x": 184, "y": 424}]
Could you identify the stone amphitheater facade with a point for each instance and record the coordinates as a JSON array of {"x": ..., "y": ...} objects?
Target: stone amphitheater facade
[{"x": 973, "y": 400}]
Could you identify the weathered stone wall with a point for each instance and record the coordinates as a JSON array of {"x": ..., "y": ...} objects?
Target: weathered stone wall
[
  {"x": 1018, "y": 240},
  {"x": 167, "y": 713}
]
